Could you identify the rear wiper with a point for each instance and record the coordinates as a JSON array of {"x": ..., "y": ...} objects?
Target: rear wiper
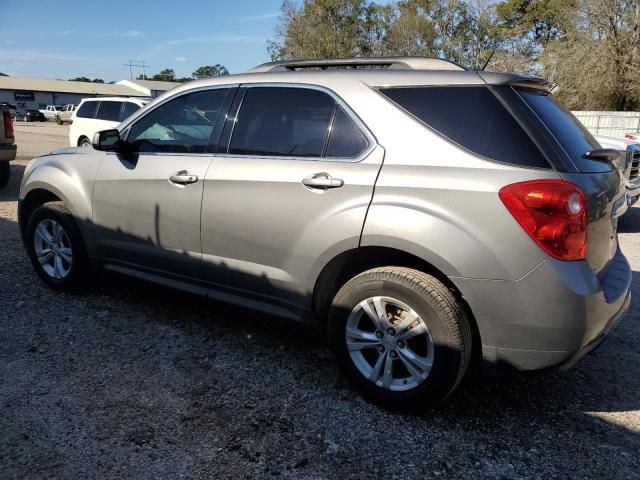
[{"x": 605, "y": 154}]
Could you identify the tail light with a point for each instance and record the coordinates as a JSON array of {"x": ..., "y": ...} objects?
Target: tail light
[
  {"x": 71, "y": 121},
  {"x": 8, "y": 124},
  {"x": 631, "y": 136},
  {"x": 553, "y": 213}
]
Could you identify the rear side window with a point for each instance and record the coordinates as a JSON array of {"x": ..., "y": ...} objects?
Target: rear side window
[
  {"x": 346, "y": 141},
  {"x": 109, "y": 110},
  {"x": 473, "y": 118},
  {"x": 128, "y": 108},
  {"x": 574, "y": 138},
  {"x": 87, "y": 110},
  {"x": 279, "y": 121}
]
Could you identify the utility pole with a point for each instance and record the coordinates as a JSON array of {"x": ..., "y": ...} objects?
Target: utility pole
[{"x": 137, "y": 63}]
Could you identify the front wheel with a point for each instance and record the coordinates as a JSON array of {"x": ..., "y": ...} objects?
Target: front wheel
[
  {"x": 54, "y": 245},
  {"x": 85, "y": 142},
  {"x": 400, "y": 336}
]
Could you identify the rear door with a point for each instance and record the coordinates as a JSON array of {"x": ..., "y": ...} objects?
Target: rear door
[{"x": 290, "y": 191}]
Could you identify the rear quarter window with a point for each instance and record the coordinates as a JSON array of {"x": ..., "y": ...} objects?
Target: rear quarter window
[{"x": 473, "y": 118}]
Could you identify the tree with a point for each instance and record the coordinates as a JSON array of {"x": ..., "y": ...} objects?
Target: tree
[
  {"x": 596, "y": 63},
  {"x": 85, "y": 79},
  {"x": 166, "y": 75},
  {"x": 207, "y": 71}
]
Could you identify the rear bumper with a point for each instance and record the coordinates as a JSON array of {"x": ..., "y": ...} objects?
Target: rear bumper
[
  {"x": 552, "y": 317},
  {"x": 7, "y": 152}
]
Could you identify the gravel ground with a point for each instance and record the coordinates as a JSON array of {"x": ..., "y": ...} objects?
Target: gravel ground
[{"x": 135, "y": 381}]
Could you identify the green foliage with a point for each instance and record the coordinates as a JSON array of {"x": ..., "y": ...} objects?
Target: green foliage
[
  {"x": 590, "y": 47},
  {"x": 166, "y": 75},
  {"x": 207, "y": 71},
  {"x": 86, "y": 79}
]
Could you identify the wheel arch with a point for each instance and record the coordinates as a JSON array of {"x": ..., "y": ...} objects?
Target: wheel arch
[{"x": 350, "y": 263}]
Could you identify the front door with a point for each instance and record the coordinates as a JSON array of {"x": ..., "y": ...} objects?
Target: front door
[{"x": 147, "y": 203}]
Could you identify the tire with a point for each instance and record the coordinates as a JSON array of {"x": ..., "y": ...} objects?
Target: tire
[
  {"x": 85, "y": 142},
  {"x": 5, "y": 174},
  {"x": 73, "y": 275},
  {"x": 445, "y": 346},
  {"x": 58, "y": 120}
]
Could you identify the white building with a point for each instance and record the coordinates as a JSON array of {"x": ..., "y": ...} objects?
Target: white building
[{"x": 34, "y": 93}]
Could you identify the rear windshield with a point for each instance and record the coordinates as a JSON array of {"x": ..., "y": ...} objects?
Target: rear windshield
[
  {"x": 574, "y": 138},
  {"x": 473, "y": 118}
]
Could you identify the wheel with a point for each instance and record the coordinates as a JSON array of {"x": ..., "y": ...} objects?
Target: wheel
[
  {"x": 58, "y": 120},
  {"x": 400, "y": 336},
  {"x": 85, "y": 142},
  {"x": 56, "y": 249},
  {"x": 5, "y": 174}
]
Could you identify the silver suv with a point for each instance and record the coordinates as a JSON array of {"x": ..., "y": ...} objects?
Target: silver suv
[{"x": 425, "y": 216}]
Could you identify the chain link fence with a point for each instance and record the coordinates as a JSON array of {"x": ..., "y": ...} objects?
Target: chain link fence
[{"x": 614, "y": 124}]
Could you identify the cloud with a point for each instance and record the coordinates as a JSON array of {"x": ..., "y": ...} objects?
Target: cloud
[
  {"x": 223, "y": 38},
  {"x": 10, "y": 42},
  {"x": 67, "y": 32},
  {"x": 26, "y": 55},
  {"x": 257, "y": 18},
  {"x": 132, "y": 33},
  {"x": 180, "y": 59}
]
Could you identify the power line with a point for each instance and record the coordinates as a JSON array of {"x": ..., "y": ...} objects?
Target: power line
[{"x": 137, "y": 63}]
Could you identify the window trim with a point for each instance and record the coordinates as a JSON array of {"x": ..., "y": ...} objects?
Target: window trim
[
  {"x": 237, "y": 107},
  {"x": 551, "y": 166},
  {"x": 125, "y": 130}
]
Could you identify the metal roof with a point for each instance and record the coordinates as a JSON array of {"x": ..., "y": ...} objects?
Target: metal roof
[
  {"x": 65, "y": 86},
  {"x": 151, "y": 84}
]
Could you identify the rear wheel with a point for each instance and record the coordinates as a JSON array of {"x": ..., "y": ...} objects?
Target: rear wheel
[
  {"x": 5, "y": 173},
  {"x": 400, "y": 336},
  {"x": 84, "y": 142},
  {"x": 54, "y": 245}
]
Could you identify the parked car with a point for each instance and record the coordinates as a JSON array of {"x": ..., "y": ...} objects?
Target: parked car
[
  {"x": 51, "y": 111},
  {"x": 12, "y": 108},
  {"x": 95, "y": 114},
  {"x": 629, "y": 162},
  {"x": 66, "y": 113},
  {"x": 634, "y": 136},
  {"x": 424, "y": 215},
  {"x": 7, "y": 145},
  {"x": 30, "y": 115}
]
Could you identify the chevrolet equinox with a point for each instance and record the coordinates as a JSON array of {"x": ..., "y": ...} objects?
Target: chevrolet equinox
[{"x": 423, "y": 214}]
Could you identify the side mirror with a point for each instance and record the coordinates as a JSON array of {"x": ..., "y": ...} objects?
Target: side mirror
[{"x": 107, "y": 140}]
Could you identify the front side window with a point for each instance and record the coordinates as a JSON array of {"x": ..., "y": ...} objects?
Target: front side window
[
  {"x": 109, "y": 110},
  {"x": 284, "y": 122},
  {"x": 182, "y": 125},
  {"x": 473, "y": 118}
]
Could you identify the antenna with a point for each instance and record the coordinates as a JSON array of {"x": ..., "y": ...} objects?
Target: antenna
[
  {"x": 137, "y": 63},
  {"x": 488, "y": 60}
]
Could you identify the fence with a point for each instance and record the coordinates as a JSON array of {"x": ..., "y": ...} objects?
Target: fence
[{"x": 614, "y": 124}]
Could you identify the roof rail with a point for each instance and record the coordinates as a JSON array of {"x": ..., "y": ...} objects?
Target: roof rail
[{"x": 392, "y": 63}]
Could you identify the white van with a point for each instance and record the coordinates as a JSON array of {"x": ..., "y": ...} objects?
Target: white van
[{"x": 96, "y": 114}]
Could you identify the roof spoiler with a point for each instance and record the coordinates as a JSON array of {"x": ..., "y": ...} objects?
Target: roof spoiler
[
  {"x": 535, "y": 83},
  {"x": 391, "y": 63}
]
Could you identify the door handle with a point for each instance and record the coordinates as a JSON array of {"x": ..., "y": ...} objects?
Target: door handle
[
  {"x": 322, "y": 181},
  {"x": 183, "y": 178}
]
